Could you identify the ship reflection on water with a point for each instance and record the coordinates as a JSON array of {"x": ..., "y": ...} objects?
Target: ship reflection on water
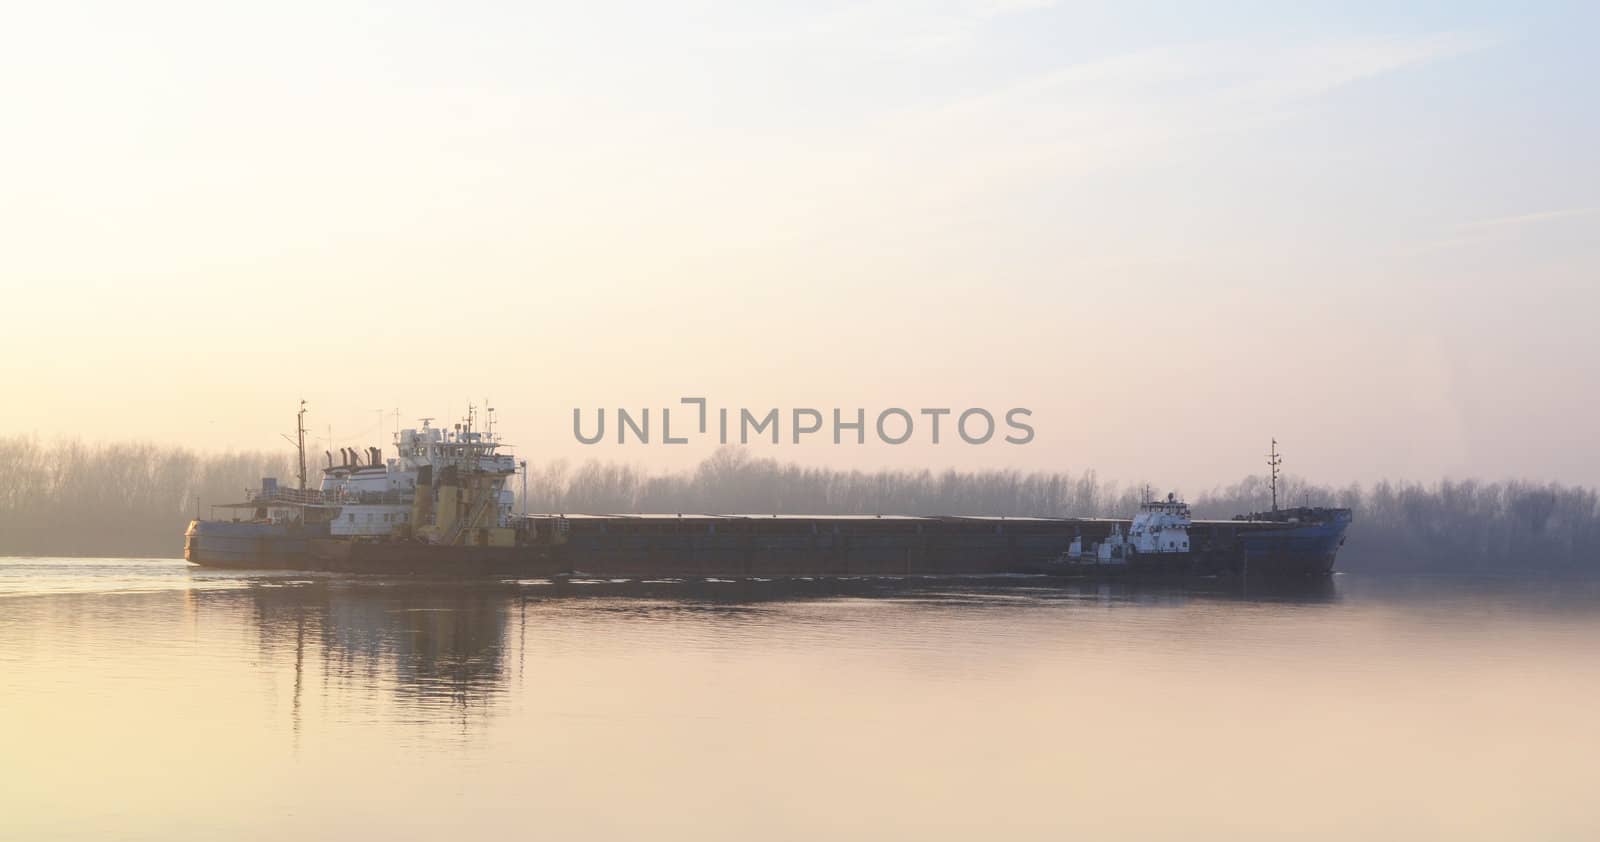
[
  {"x": 431, "y": 647},
  {"x": 448, "y": 645}
]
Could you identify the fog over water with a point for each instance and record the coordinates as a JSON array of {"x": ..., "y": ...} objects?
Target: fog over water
[
  {"x": 146, "y": 700},
  {"x": 121, "y": 499}
]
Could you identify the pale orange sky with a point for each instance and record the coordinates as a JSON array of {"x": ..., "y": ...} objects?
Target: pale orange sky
[{"x": 1374, "y": 239}]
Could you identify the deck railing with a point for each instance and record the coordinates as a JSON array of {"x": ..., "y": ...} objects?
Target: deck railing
[{"x": 315, "y": 497}]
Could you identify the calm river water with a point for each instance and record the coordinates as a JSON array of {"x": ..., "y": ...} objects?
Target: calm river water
[{"x": 144, "y": 699}]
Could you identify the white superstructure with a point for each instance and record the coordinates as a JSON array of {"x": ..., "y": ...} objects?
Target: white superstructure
[
  {"x": 1161, "y": 526},
  {"x": 362, "y": 494}
]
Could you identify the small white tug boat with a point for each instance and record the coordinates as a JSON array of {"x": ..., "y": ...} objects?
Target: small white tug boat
[{"x": 1159, "y": 533}]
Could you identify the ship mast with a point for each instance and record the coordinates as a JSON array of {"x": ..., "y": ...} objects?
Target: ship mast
[
  {"x": 300, "y": 423},
  {"x": 1273, "y": 461}
]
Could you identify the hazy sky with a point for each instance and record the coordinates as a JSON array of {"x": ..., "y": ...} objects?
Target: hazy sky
[{"x": 1171, "y": 232}]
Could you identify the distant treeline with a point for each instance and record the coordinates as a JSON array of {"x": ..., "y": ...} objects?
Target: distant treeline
[
  {"x": 68, "y": 498},
  {"x": 121, "y": 499}
]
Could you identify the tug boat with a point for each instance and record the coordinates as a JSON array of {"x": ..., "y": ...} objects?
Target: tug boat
[{"x": 1157, "y": 540}]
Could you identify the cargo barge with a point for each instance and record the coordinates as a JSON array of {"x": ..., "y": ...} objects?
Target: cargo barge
[{"x": 442, "y": 506}]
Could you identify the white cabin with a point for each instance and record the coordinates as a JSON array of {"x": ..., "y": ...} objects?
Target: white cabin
[
  {"x": 374, "y": 519},
  {"x": 374, "y": 495},
  {"x": 1161, "y": 526}
]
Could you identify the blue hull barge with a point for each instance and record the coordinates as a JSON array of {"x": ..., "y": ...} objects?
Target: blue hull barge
[{"x": 1305, "y": 538}]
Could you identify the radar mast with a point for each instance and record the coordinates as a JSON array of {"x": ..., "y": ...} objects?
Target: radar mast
[{"x": 1273, "y": 461}]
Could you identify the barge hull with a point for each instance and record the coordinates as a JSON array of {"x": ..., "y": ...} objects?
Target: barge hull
[
  {"x": 644, "y": 546},
  {"x": 735, "y": 545}
]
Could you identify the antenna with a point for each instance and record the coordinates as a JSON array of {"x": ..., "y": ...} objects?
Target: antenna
[{"x": 1273, "y": 461}]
